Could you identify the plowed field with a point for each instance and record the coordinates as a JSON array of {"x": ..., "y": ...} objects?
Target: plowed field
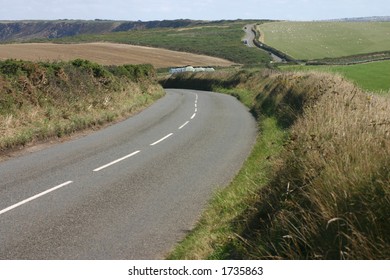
[{"x": 107, "y": 54}]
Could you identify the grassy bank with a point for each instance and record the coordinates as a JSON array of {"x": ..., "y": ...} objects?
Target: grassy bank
[
  {"x": 317, "y": 183},
  {"x": 44, "y": 100}
]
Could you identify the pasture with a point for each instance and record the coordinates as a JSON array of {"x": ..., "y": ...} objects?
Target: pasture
[
  {"x": 316, "y": 40},
  {"x": 374, "y": 76}
]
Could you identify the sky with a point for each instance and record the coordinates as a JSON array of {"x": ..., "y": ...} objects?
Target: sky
[{"x": 146, "y": 10}]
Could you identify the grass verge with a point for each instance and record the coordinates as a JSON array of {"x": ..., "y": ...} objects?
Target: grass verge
[
  {"x": 219, "y": 224},
  {"x": 317, "y": 183}
]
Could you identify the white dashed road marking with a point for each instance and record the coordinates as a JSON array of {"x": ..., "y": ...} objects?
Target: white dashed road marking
[
  {"x": 97, "y": 169},
  {"x": 187, "y": 122},
  {"x": 34, "y": 197},
  {"x": 116, "y": 161},
  {"x": 162, "y": 139}
]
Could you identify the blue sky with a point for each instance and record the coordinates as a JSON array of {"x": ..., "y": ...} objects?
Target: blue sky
[{"x": 200, "y": 9}]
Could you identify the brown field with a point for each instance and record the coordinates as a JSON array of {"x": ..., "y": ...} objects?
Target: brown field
[{"x": 107, "y": 54}]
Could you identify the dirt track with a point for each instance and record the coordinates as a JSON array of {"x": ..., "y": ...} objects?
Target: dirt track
[{"x": 107, "y": 54}]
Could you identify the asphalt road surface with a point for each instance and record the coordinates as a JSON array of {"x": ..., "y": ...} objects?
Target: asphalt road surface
[
  {"x": 130, "y": 191},
  {"x": 249, "y": 35}
]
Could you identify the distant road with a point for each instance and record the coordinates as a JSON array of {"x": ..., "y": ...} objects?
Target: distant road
[
  {"x": 250, "y": 37},
  {"x": 130, "y": 191}
]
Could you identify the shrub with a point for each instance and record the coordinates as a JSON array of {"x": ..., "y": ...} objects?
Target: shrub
[
  {"x": 98, "y": 71},
  {"x": 41, "y": 100}
]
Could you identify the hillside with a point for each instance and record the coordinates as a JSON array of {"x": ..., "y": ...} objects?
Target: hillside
[
  {"x": 221, "y": 39},
  {"x": 107, "y": 54},
  {"x": 28, "y": 30}
]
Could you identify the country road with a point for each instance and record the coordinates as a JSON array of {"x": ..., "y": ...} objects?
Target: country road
[
  {"x": 250, "y": 37},
  {"x": 130, "y": 191}
]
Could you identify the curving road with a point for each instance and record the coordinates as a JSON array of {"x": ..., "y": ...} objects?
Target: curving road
[
  {"x": 250, "y": 37},
  {"x": 130, "y": 191}
]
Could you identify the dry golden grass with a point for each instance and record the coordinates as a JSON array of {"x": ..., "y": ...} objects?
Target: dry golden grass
[
  {"x": 107, "y": 54},
  {"x": 331, "y": 197},
  {"x": 329, "y": 194}
]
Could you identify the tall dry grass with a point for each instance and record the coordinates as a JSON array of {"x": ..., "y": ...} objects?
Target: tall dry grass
[
  {"x": 330, "y": 199},
  {"x": 328, "y": 196}
]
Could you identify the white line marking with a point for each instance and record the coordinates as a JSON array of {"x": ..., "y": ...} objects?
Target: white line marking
[
  {"x": 196, "y": 110},
  {"x": 116, "y": 161},
  {"x": 162, "y": 139},
  {"x": 34, "y": 197},
  {"x": 193, "y": 116},
  {"x": 184, "y": 125},
  {"x": 196, "y": 105}
]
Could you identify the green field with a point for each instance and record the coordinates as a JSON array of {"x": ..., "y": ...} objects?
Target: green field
[
  {"x": 219, "y": 39},
  {"x": 315, "y": 40},
  {"x": 374, "y": 76}
]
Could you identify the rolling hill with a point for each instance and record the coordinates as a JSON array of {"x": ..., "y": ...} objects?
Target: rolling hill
[{"x": 40, "y": 29}]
